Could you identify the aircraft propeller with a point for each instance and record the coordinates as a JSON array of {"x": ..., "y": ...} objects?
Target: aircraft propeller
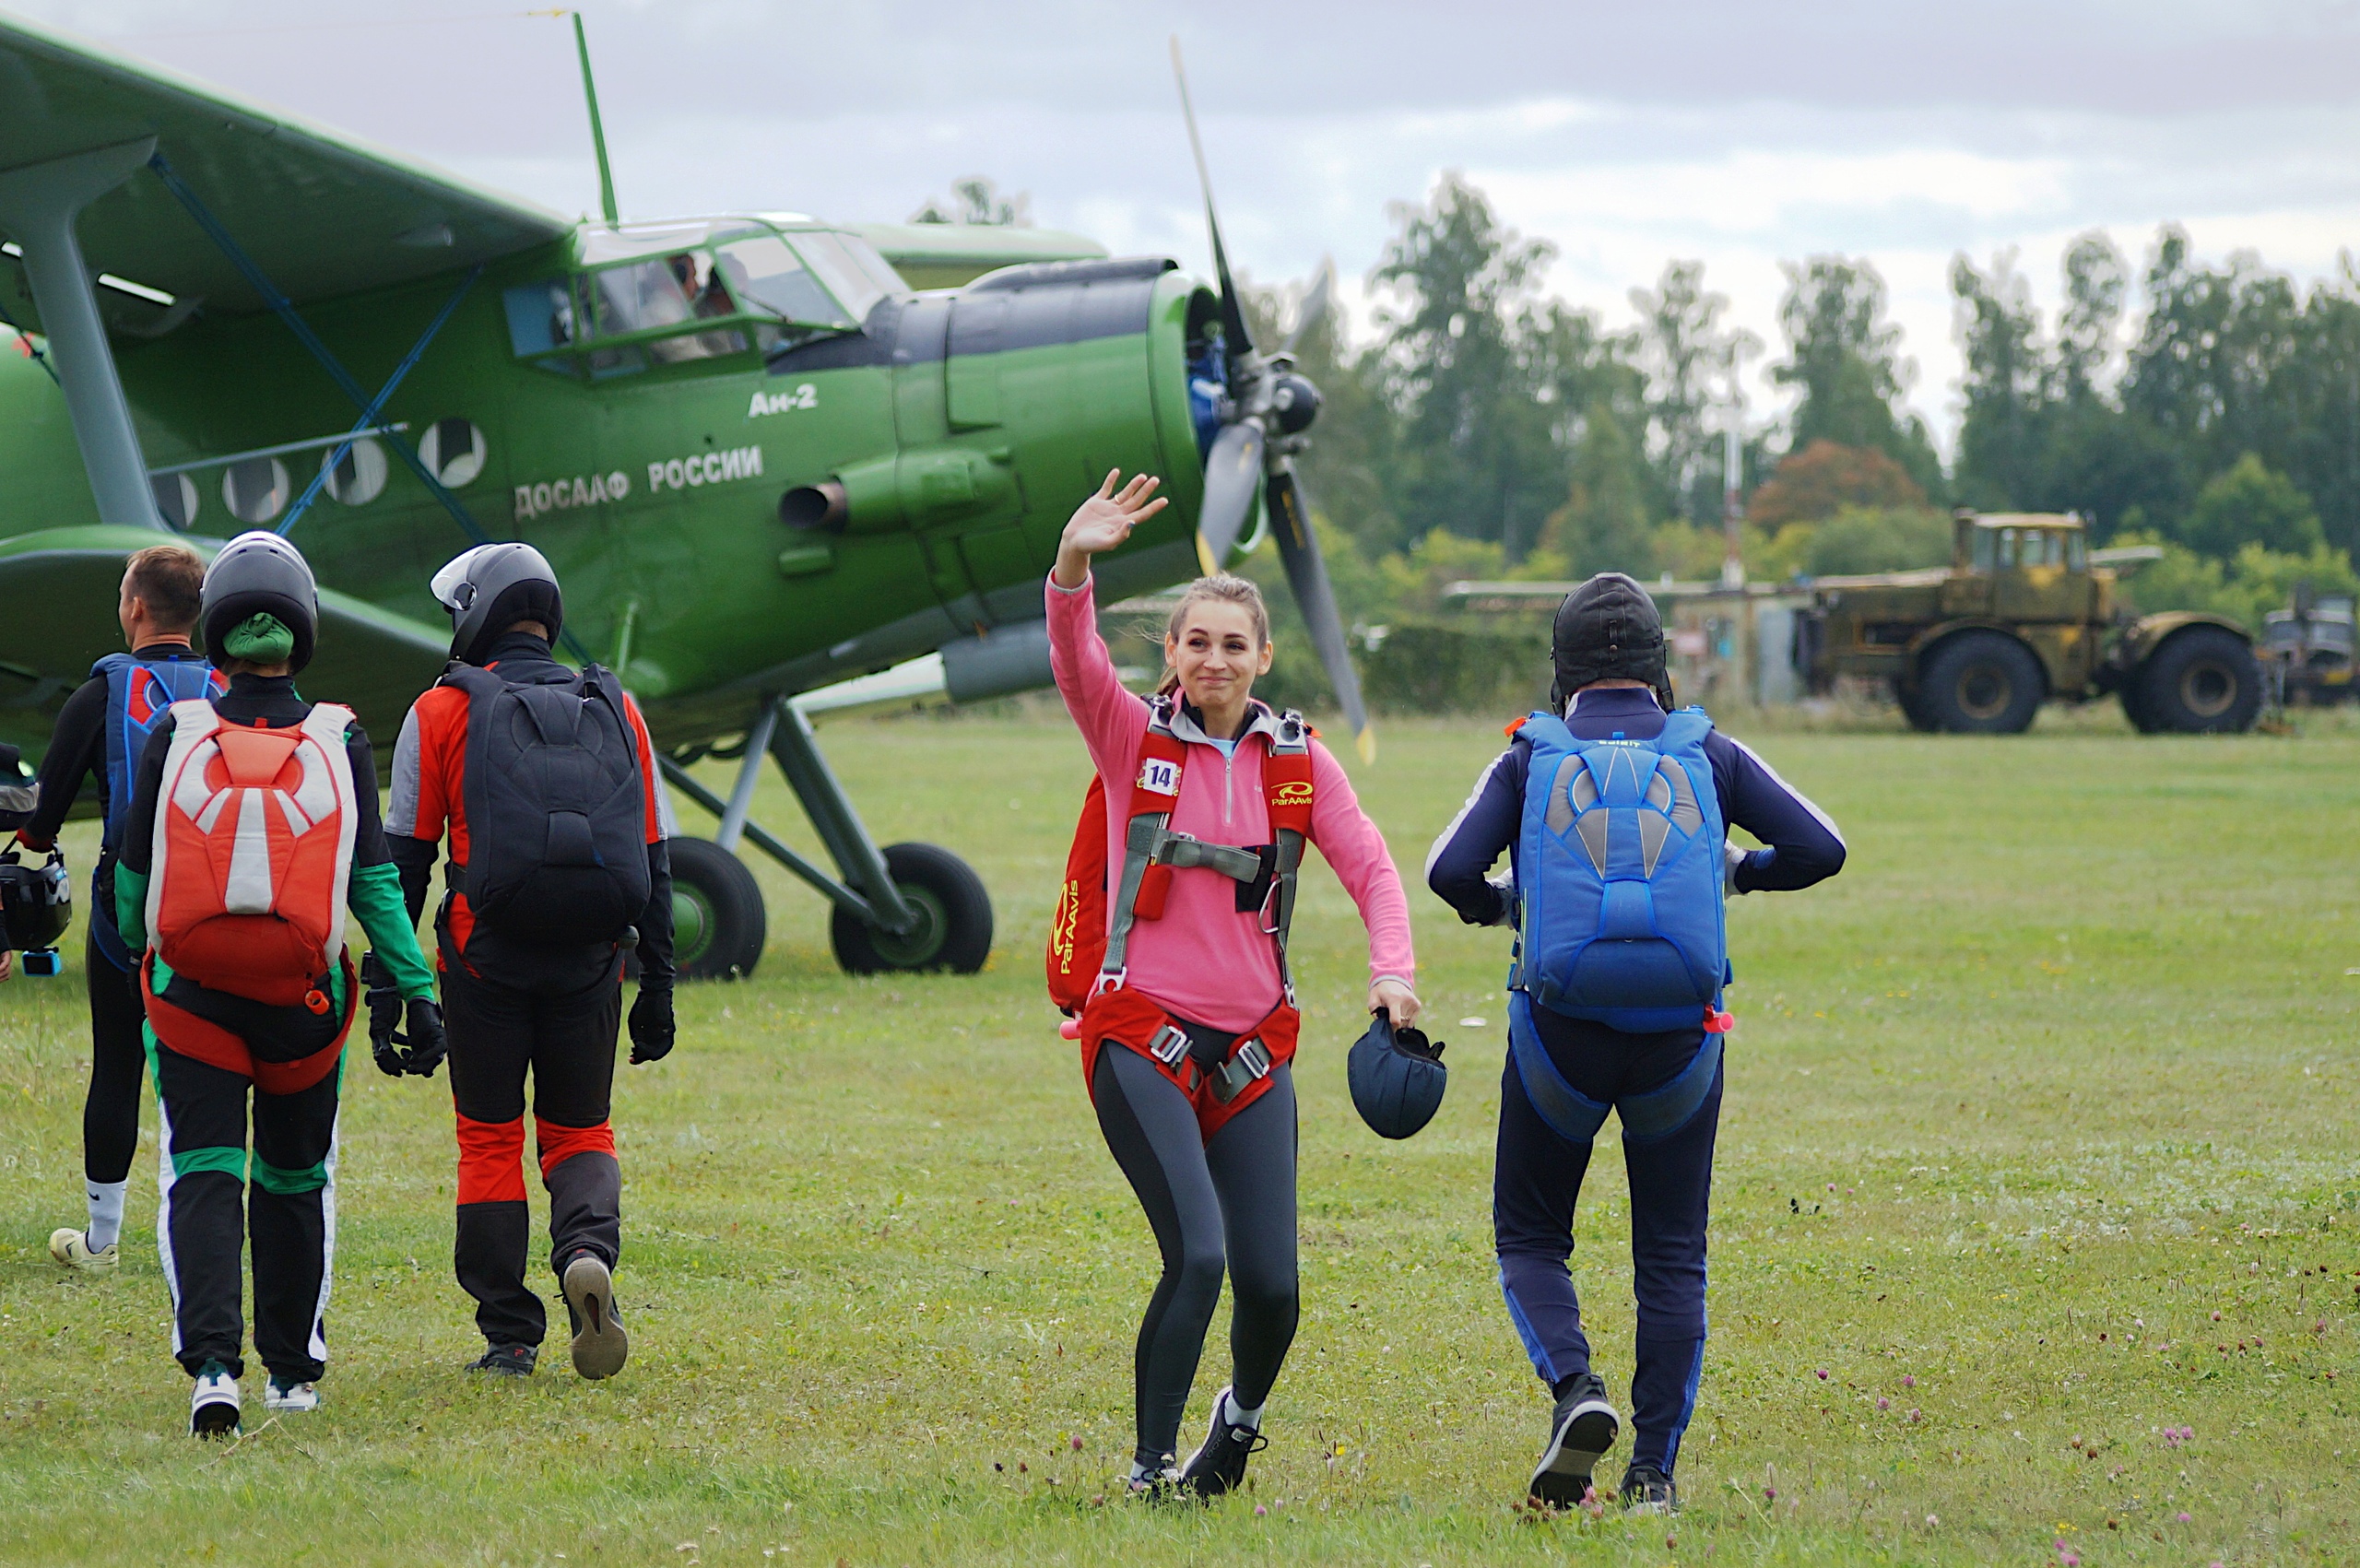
[{"x": 1252, "y": 459}]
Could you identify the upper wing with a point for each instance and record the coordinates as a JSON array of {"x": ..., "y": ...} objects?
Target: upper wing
[
  {"x": 59, "y": 586},
  {"x": 321, "y": 213},
  {"x": 949, "y": 256}
]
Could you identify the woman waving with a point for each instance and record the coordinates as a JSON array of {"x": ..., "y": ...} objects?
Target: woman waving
[{"x": 1191, "y": 1025}]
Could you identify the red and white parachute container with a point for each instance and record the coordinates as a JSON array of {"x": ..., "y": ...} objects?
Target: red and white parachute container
[{"x": 252, "y": 851}]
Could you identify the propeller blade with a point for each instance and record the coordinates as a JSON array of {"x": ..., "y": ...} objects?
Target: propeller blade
[
  {"x": 1307, "y": 575},
  {"x": 1232, "y": 311},
  {"x": 1232, "y": 482},
  {"x": 1315, "y": 303}
]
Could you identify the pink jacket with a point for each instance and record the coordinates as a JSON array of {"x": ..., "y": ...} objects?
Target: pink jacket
[{"x": 1203, "y": 960}]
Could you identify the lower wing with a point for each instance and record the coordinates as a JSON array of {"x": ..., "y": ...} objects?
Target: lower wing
[{"x": 58, "y": 591}]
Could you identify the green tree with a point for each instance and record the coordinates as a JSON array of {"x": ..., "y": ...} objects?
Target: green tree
[
  {"x": 1860, "y": 539},
  {"x": 1481, "y": 376},
  {"x": 1682, "y": 351},
  {"x": 2251, "y": 503},
  {"x": 1603, "y": 525},
  {"x": 2001, "y": 447},
  {"x": 1843, "y": 356}
]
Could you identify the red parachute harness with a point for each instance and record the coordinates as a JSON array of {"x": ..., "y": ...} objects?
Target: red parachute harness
[
  {"x": 1088, "y": 952},
  {"x": 253, "y": 851}
]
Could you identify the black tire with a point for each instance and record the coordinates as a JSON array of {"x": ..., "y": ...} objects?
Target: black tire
[
  {"x": 718, "y": 921},
  {"x": 954, "y": 930},
  {"x": 2204, "y": 680},
  {"x": 1913, "y": 707},
  {"x": 2133, "y": 707},
  {"x": 1981, "y": 683}
]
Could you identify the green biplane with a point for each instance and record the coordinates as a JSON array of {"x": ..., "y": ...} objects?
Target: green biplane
[{"x": 761, "y": 459}]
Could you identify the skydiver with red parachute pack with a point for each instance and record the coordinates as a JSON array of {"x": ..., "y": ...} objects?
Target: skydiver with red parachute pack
[
  {"x": 1186, "y": 1018},
  {"x": 253, "y": 828}
]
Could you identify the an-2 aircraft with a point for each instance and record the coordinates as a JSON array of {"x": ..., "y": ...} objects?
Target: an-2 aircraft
[{"x": 764, "y": 453}]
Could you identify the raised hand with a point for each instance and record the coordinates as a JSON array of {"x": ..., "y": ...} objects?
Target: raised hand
[{"x": 1104, "y": 521}]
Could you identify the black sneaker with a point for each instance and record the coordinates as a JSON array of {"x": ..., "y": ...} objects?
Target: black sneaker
[
  {"x": 1219, "y": 1465},
  {"x": 507, "y": 1360},
  {"x": 1646, "y": 1489},
  {"x": 1581, "y": 1428}
]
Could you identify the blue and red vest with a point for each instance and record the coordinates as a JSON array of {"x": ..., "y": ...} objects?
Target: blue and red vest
[{"x": 139, "y": 693}]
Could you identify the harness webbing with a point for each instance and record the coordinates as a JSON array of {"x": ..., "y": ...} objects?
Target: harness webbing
[{"x": 1152, "y": 851}]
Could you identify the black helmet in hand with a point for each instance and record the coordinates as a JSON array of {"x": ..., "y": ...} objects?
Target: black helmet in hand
[{"x": 1396, "y": 1078}]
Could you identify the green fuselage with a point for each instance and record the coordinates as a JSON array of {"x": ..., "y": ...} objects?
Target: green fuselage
[{"x": 649, "y": 463}]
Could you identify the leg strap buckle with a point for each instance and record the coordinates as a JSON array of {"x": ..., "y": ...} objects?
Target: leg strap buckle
[
  {"x": 1168, "y": 1046},
  {"x": 1250, "y": 1065}
]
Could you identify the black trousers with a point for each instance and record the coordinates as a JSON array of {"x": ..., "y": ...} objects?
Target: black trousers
[
  {"x": 118, "y": 1058},
  {"x": 1228, "y": 1204},
  {"x": 205, "y": 1206},
  {"x": 561, "y": 1032}
]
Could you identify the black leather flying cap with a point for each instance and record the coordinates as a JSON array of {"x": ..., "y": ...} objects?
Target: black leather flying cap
[{"x": 1607, "y": 629}]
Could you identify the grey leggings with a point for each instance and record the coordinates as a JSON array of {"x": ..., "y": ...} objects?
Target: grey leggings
[{"x": 1231, "y": 1200}]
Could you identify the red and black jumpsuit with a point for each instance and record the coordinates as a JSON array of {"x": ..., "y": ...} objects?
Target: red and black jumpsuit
[{"x": 511, "y": 1008}]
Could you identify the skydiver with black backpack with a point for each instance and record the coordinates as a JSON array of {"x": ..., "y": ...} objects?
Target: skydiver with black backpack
[
  {"x": 1614, "y": 809},
  {"x": 544, "y": 779}
]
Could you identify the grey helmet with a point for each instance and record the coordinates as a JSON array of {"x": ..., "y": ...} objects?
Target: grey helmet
[
  {"x": 489, "y": 589},
  {"x": 259, "y": 573}
]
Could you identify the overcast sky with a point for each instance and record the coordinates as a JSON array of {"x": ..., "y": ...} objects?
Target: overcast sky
[{"x": 1739, "y": 133}]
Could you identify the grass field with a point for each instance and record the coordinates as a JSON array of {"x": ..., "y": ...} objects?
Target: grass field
[{"x": 2039, "y": 1150}]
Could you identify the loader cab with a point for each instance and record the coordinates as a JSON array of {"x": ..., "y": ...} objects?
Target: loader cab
[{"x": 2023, "y": 566}]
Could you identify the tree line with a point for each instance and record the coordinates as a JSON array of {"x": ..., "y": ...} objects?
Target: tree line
[{"x": 1485, "y": 429}]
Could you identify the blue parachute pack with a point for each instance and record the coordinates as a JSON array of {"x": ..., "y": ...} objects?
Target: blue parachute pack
[
  {"x": 139, "y": 693},
  {"x": 1619, "y": 879}
]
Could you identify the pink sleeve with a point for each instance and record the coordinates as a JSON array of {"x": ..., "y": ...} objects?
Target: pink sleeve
[
  {"x": 1111, "y": 718},
  {"x": 1354, "y": 847}
]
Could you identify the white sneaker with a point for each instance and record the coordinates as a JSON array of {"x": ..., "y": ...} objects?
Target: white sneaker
[
  {"x": 213, "y": 1409},
  {"x": 280, "y": 1395},
  {"x": 73, "y": 1249}
]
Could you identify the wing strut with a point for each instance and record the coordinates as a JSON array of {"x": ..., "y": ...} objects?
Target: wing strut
[
  {"x": 39, "y": 204},
  {"x": 368, "y": 423}
]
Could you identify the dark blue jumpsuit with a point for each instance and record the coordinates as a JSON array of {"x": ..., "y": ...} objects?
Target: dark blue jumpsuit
[{"x": 1538, "y": 1174}]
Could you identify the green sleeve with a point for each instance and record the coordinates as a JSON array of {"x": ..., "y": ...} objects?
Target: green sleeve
[
  {"x": 376, "y": 897},
  {"x": 131, "y": 908}
]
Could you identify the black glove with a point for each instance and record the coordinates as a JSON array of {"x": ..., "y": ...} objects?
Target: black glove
[
  {"x": 385, "y": 1015},
  {"x": 651, "y": 1025},
  {"x": 428, "y": 1044}
]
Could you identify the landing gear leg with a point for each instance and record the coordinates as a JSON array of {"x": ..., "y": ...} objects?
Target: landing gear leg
[{"x": 906, "y": 907}]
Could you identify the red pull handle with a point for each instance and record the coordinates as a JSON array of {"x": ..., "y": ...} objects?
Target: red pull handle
[{"x": 1718, "y": 1022}]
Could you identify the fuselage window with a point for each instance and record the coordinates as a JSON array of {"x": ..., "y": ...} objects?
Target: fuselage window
[{"x": 255, "y": 489}]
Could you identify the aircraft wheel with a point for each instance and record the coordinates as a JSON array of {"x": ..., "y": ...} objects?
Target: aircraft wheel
[
  {"x": 954, "y": 928},
  {"x": 2201, "y": 681},
  {"x": 718, "y": 922},
  {"x": 1981, "y": 683}
]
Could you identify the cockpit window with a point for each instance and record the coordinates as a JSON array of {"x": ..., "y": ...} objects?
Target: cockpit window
[
  {"x": 672, "y": 291},
  {"x": 770, "y": 280},
  {"x": 846, "y": 271}
]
